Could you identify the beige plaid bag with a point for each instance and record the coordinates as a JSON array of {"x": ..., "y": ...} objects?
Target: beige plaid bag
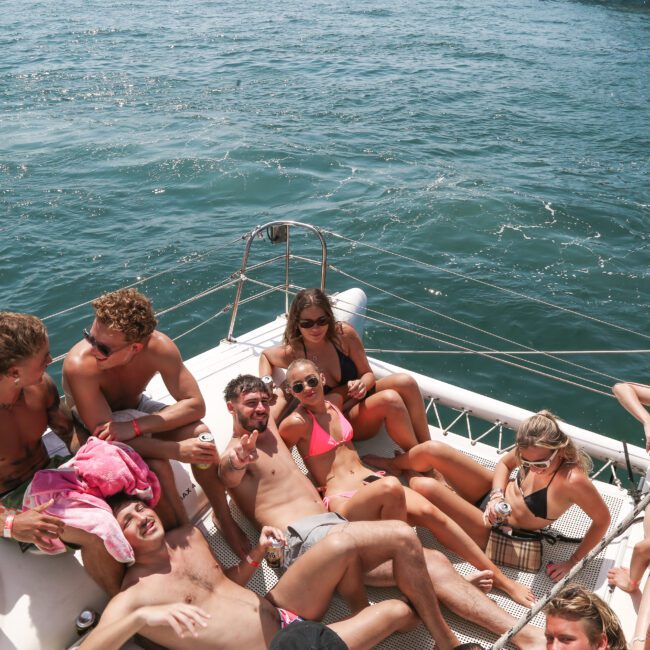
[{"x": 522, "y": 550}]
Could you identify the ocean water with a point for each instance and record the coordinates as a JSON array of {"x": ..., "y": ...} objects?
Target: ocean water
[{"x": 504, "y": 145}]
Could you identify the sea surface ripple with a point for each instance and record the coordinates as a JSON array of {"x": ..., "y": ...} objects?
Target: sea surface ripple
[{"x": 504, "y": 141}]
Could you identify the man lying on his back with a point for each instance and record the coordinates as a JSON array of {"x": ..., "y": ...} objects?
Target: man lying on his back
[{"x": 179, "y": 596}]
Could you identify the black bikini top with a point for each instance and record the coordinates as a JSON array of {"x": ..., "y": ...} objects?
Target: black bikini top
[
  {"x": 348, "y": 370},
  {"x": 537, "y": 502}
]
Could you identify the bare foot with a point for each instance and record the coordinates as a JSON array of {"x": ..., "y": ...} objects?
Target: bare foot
[
  {"x": 518, "y": 592},
  {"x": 620, "y": 577},
  {"x": 481, "y": 579},
  {"x": 381, "y": 463},
  {"x": 530, "y": 638}
]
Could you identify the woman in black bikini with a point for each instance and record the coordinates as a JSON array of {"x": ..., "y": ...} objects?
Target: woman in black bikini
[
  {"x": 313, "y": 333},
  {"x": 553, "y": 476}
]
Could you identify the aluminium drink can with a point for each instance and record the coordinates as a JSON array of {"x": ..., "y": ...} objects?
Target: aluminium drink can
[
  {"x": 267, "y": 380},
  {"x": 275, "y": 553},
  {"x": 86, "y": 621},
  {"x": 502, "y": 509},
  {"x": 205, "y": 437}
]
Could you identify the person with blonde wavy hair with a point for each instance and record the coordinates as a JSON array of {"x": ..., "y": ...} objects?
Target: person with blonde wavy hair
[
  {"x": 553, "y": 476},
  {"x": 577, "y": 619}
]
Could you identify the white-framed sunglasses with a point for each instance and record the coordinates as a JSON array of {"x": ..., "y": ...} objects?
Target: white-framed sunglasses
[{"x": 538, "y": 464}]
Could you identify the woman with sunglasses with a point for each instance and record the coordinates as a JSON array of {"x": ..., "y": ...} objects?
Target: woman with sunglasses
[
  {"x": 577, "y": 619},
  {"x": 323, "y": 436},
  {"x": 313, "y": 333},
  {"x": 553, "y": 475}
]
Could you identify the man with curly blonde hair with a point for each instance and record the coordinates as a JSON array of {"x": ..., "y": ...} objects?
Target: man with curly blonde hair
[{"x": 104, "y": 378}]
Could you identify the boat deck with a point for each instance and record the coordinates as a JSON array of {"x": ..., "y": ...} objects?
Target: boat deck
[
  {"x": 215, "y": 368},
  {"x": 573, "y": 523},
  {"x": 34, "y": 587}
]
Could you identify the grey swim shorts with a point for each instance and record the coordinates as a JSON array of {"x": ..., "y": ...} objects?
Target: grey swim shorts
[
  {"x": 146, "y": 406},
  {"x": 304, "y": 533}
]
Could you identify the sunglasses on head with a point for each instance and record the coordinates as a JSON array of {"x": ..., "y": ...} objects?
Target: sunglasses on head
[
  {"x": 538, "y": 464},
  {"x": 102, "y": 348},
  {"x": 308, "y": 323},
  {"x": 299, "y": 386}
]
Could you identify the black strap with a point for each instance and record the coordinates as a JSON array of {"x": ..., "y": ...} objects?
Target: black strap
[{"x": 554, "y": 536}]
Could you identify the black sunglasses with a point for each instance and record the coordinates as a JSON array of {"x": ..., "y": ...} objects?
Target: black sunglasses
[
  {"x": 101, "y": 347},
  {"x": 299, "y": 386},
  {"x": 308, "y": 323}
]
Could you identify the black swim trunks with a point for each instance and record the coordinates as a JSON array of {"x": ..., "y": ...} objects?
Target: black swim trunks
[{"x": 307, "y": 635}]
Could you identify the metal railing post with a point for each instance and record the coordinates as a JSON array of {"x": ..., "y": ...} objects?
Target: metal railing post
[{"x": 242, "y": 272}]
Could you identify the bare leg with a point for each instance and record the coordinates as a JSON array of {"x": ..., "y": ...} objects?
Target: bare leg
[
  {"x": 214, "y": 490},
  {"x": 422, "y": 512},
  {"x": 632, "y": 398},
  {"x": 385, "y": 407},
  {"x": 463, "y": 599},
  {"x": 170, "y": 507},
  {"x": 383, "y": 499},
  {"x": 470, "y": 479},
  {"x": 375, "y": 623},
  {"x": 466, "y": 515},
  {"x": 409, "y": 391},
  {"x": 629, "y": 579},
  {"x": 102, "y": 567},
  {"x": 381, "y": 541},
  {"x": 332, "y": 564},
  {"x": 641, "y": 636},
  {"x": 208, "y": 479}
]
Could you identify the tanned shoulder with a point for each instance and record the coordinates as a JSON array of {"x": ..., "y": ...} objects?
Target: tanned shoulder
[
  {"x": 79, "y": 363},
  {"x": 294, "y": 427}
]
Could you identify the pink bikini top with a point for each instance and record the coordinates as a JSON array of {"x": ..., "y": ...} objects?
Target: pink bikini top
[{"x": 321, "y": 442}]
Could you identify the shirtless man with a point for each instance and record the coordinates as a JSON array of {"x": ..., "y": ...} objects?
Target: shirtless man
[
  {"x": 179, "y": 596},
  {"x": 260, "y": 473},
  {"x": 29, "y": 403},
  {"x": 104, "y": 377}
]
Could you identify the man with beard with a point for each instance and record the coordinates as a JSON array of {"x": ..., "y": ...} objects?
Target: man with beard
[{"x": 258, "y": 470}]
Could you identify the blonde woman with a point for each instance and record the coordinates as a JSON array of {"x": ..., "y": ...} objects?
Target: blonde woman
[{"x": 553, "y": 475}]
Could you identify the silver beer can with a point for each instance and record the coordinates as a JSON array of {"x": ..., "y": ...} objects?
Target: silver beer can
[
  {"x": 205, "y": 437},
  {"x": 502, "y": 509},
  {"x": 275, "y": 553},
  {"x": 267, "y": 380}
]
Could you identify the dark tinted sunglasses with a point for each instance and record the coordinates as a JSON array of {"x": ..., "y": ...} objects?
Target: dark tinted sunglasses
[
  {"x": 308, "y": 323},
  {"x": 299, "y": 386},
  {"x": 101, "y": 347}
]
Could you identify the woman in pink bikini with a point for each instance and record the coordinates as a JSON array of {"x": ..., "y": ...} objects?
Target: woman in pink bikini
[
  {"x": 313, "y": 333},
  {"x": 553, "y": 476},
  {"x": 323, "y": 436}
]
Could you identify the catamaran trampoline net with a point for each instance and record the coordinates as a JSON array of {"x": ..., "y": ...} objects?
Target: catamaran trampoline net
[{"x": 574, "y": 523}]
